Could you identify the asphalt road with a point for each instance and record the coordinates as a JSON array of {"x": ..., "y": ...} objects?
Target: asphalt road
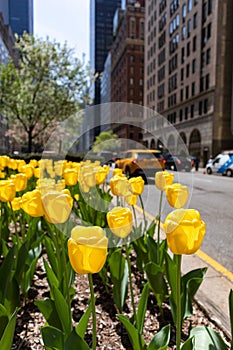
[{"x": 213, "y": 196}]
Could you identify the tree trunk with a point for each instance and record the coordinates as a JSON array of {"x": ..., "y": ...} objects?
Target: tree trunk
[{"x": 30, "y": 140}]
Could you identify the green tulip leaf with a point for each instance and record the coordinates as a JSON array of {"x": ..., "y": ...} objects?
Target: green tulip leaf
[
  {"x": 83, "y": 322},
  {"x": 52, "y": 279},
  {"x": 142, "y": 307},
  {"x": 161, "y": 339},
  {"x": 53, "y": 338},
  {"x": 63, "y": 310},
  {"x": 155, "y": 275},
  {"x": 75, "y": 342},
  {"x": 4, "y": 319},
  {"x": 188, "y": 344},
  {"x": 5, "y": 273},
  {"x": 119, "y": 276},
  {"x": 207, "y": 338},
  {"x": 190, "y": 283},
  {"x": 48, "y": 309},
  {"x": 51, "y": 254},
  {"x": 133, "y": 333},
  {"x": 8, "y": 334}
]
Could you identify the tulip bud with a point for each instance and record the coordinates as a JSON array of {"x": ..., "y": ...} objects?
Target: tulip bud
[
  {"x": 177, "y": 195},
  {"x": 184, "y": 230},
  {"x": 120, "y": 221},
  {"x": 70, "y": 176},
  {"x": 32, "y": 203},
  {"x": 20, "y": 181},
  {"x": 137, "y": 185},
  {"x": 163, "y": 179},
  {"x": 87, "y": 249},
  {"x": 57, "y": 206},
  {"x": 7, "y": 190}
]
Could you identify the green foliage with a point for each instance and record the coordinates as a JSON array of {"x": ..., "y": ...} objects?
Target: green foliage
[
  {"x": 161, "y": 339},
  {"x": 8, "y": 333},
  {"x": 106, "y": 141},
  {"x": 46, "y": 85},
  {"x": 206, "y": 338}
]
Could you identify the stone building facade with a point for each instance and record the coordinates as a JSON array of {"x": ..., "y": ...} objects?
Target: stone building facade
[{"x": 188, "y": 74}]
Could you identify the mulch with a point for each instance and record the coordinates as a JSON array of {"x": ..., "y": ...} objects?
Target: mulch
[{"x": 110, "y": 332}]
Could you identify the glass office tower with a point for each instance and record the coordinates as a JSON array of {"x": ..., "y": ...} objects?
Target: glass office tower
[{"x": 21, "y": 16}]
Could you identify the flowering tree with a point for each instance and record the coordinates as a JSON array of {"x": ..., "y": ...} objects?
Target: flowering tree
[{"x": 46, "y": 85}]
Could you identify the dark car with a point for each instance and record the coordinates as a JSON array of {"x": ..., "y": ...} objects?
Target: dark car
[
  {"x": 106, "y": 157},
  {"x": 177, "y": 162}
]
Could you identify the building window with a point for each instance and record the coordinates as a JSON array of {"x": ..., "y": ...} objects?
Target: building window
[
  {"x": 187, "y": 70},
  {"x": 195, "y": 2},
  {"x": 131, "y": 81},
  {"x": 200, "y": 108},
  {"x": 183, "y": 32},
  {"x": 132, "y": 59},
  {"x": 188, "y": 49},
  {"x": 182, "y": 55},
  {"x": 132, "y": 27},
  {"x": 202, "y": 84},
  {"x": 205, "y": 108},
  {"x": 189, "y": 24},
  {"x": 209, "y": 7},
  {"x": 131, "y": 92},
  {"x": 190, "y": 5},
  {"x": 207, "y": 81},
  {"x": 194, "y": 43},
  {"x": 192, "y": 111},
  {"x": 186, "y": 112},
  {"x": 187, "y": 92},
  {"x": 141, "y": 29},
  {"x": 140, "y": 82},
  {"x": 182, "y": 74},
  {"x": 204, "y": 12},
  {"x": 184, "y": 12},
  {"x": 194, "y": 66},
  {"x": 208, "y": 56},
  {"x": 208, "y": 34},
  {"x": 195, "y": 20},
  {"x": 181, "y": 115},
  {"x": 193, "y": 89},
  {"x": 181, "y": 95},
  {"x": 131, "y": 70}
]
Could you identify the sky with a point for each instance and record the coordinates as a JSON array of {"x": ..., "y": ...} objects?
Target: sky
[{"x": 64, "y": 20}]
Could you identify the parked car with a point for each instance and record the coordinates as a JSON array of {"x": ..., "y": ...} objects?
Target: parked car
[
  {"x": 177, "y": 162},
  {"x": 140, "y": 162},
  {"x": 222, "y": 164}
]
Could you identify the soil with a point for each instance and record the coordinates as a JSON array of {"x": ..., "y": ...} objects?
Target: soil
[{"x": 110, "y": 333}]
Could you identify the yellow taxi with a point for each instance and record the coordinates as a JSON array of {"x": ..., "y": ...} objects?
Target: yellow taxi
[{"x": 140, "y": 162}]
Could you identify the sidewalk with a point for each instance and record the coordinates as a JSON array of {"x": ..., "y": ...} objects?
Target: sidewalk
[{"x": 213, "y": 293}]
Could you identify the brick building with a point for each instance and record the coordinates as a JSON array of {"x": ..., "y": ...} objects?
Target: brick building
[{"x": 127, "y": 70}]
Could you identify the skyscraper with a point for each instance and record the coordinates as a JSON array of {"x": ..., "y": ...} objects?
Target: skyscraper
[
  {"x": 21, "y": 16},
  {"x": 18, "y": 15},
  {"x": 101, "y": 36}
]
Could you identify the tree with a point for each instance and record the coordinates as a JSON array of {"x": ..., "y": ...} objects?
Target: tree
[
  {"x": 106, "y": 141},
  {"x": 46, "y": 85}
]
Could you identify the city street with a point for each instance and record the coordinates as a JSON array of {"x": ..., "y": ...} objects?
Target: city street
[{"x": 213, "y": 196}]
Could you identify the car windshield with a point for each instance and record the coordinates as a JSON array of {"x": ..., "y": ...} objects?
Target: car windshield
[{"x": 145, "y": 155}]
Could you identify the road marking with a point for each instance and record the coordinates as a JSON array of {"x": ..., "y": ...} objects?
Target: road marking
[{"x": 203, "y": 256}]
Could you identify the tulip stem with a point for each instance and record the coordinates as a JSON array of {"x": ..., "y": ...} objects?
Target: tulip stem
[
  {"x": 143, "y": 210},
  {"x": 93, "y": 311},
  {"x": 131, "y": 285},
  {"x": 159, "y": 221},
  {"x": 178, "y": 259},
  {"x": 135, "y": 216},
  {"x": 64, "y": 263}
]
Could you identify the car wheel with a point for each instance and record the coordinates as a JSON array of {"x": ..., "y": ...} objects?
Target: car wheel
[
  {"x": 229, "y": 173},
  {"x": 127, "y": 172},
  {"x": 209, "y": 171}
]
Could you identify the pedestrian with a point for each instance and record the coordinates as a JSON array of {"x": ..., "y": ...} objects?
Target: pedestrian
[{"x": 197, "y": 160}]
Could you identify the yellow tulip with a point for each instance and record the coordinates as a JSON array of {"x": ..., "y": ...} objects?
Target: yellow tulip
[
  {"x": 137, "y": 184},
  {"x": 32, "y": 203},
  {"x": 7, "y": 190},
  {"x": 70, "y": 176},
  {"x": 34, "y": 163},
  {"x": 12, "y": 164},
  {"x": 57, "y": 206},
  {"x": 16, "y": 203},
  {"x": 101, "y": 175},
  {"x": 27, "y": 170},
  {"x": 131, "y": 199},
  {"x": 37, "y": 172},
  {"x": 117, "y": 171},
  {"x": 120, "y": 186},
  {"x": 120, "y": 221},
  {"x": 184, "y": 230},
  {"x": 87, "y": 249},
  {"x": 4, "y": 161},
  {"x": 163, "y": 179},
  {"x": 20, "y": 163},
  {"x": 177, "y": 195},
  {"x": 20, "y": 181}
]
